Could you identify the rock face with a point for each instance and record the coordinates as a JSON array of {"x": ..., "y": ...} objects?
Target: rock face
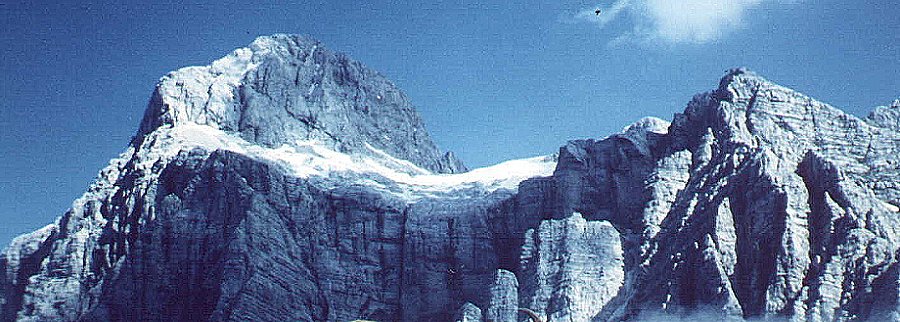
[
  {"x": 288, "y": 182},
  {"x": 468, "y": 313},
  {"x": 782, "y": 214},
  {"x": 504, "y": 301},
  {"x": 571, "y": 268}
]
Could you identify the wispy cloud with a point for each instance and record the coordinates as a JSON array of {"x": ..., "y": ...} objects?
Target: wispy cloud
[{"x": 674, "y": 21}]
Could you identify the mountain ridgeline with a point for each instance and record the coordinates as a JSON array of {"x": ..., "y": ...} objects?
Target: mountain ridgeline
[{"x": 287, "y": 182}]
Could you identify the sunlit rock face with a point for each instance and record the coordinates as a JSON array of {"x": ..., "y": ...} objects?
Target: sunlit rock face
[
  {"x": 286, "y": 88},
  {"x": 782, "y": 215},
  {"x": 571, "y": 268},
  {"x": 289, "y": 182}
]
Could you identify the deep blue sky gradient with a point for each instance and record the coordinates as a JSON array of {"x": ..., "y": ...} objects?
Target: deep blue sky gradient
[{"x": 493, "y": 79}]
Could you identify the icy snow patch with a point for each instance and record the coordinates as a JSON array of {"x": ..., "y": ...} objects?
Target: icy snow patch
[
  {"x": 890, "y": 206},
  {"x": 310, "y": 158}
]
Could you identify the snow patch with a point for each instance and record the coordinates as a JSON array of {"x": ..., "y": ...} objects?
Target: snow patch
[
  {"x": 890, "y": 206},
  {"x": 311, "y": 158}
]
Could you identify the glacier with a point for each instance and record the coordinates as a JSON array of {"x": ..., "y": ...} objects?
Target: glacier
[{"x": 286, "y": 181}]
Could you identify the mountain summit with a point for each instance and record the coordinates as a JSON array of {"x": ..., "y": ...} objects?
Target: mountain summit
[
  {"x": 288, "y": 88},
  {"x": 287, "y": 182}
]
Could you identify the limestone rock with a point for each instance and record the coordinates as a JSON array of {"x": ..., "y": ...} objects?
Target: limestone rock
[
  {"x": 468, "y": 313},
  {"x": 504, "y": 301},
  {"x": 571, "y": 268},
  {"x": 289, "y": 182}
]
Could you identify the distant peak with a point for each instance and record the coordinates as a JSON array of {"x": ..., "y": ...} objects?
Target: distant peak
[
  {"x": 739, "y": 71},
  {"x": 741, "y": 76},
  {"x": 886, "y": 116},
  {"x": 284, "y": 44},
  {"x": 643, "y": 133},
  {"x": 284, "y": 38},
  {"x": 647, "y": 124}
]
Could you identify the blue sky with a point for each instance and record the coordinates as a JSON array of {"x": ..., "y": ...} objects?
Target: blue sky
[{"x": 493, "y": 79}]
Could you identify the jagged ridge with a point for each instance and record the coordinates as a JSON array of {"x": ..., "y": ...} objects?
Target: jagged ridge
[{"x": 260, "y": 188}]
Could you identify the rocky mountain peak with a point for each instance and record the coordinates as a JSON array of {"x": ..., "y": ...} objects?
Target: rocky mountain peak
[
  {"x": 265, "y": 187},
  {"x": 751, "y": 110},
  {"x": 886, "y": 116},
  {"x": 285, "y": 89},
  {"x": 738, "y": 75}
]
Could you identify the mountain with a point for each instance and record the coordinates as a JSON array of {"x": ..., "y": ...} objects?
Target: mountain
[{"x": 289, "y": 182}]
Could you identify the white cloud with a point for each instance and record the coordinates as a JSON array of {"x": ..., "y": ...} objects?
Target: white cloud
[{"x": 674, "y": 21}]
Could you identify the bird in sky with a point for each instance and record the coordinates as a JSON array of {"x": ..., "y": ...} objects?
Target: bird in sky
[{"x": 597, "y": 12}]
